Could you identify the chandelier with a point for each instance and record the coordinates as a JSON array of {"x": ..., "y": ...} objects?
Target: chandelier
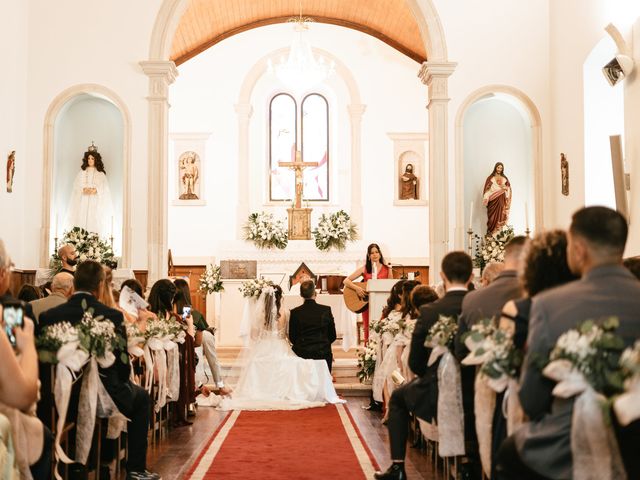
[{"x": 301, "y": 70}]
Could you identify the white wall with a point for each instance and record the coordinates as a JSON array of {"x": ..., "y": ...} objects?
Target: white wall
[
  {"x": 495, "y": 130},
  {"x": 203, "y": 99},
  {"x": 571, "y": 44},
  {"x": 13, "y": 100}
]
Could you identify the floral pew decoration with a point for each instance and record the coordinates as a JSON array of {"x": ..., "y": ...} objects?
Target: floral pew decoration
[
  {"x": 499, "y": 363},
  {"x": 90, "y": 343},
  {"x": 161, "y": 359},
  {"x": 627, "y": 405},
  {"x": 450, "y": 413},
  {"x": 367, "y": 359},
  {"x": 585, "y": 363}
]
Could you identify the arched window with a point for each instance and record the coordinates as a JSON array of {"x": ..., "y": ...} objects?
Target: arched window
[{"x": 285, "y": 121}]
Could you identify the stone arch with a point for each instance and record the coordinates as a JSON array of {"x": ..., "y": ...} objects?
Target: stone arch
[
  {"x": 48, "y": 155},
  {"x": 536, "y": 125}
]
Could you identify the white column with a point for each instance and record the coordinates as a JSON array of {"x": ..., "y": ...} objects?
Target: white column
[
  {"x": 436, "y": 76},
  {"x": 244, "y": 111},
  {"x": 355, "y": 116},
  {"x": 161, "y": 74}
]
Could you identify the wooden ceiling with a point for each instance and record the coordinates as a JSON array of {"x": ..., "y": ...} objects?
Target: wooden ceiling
[{"x": 207, "y": 22}]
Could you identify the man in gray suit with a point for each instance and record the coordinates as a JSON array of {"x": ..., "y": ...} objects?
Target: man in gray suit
[
  {"x": 541, "y": 448},
  {"x": 61, "y": 290}
]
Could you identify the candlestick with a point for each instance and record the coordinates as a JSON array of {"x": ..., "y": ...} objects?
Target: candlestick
[
  {"x": 469, "y": 240},
  {"x": 526, "y": 217},
  {"x": 112, "y": 226},
  {"x": 56, "y": 231},
  {"x": 471, "y": 215}
]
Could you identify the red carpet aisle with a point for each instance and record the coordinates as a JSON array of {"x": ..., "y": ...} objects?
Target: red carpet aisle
[{"x": 315, "y": 443}]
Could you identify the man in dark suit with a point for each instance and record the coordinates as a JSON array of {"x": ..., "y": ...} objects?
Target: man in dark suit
[
  {"x": 131, "y": 400},
  {"x": 420, "y": 396},
  {"x": 541, "y": 448},
  {"x": 311, "y": 327},
  {"x": 480, "y": 304}
]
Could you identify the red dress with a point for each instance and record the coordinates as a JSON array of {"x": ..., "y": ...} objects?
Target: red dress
[{"x": 383, "y": 273}]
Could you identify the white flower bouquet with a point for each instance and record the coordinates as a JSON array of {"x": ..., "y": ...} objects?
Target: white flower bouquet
[
  {"x": 393, "y": 323},
  {"x": 367, "y": 359},
  {"x": 89, "y": 246},
  {"x": 491, "y": 247},
  {"x": 266, "y": 232},
  {"x": 627, "y": 405},
  {"x": 53, "y": 338},
  {"x": 210, "y": 280},
  {"x": 99, "y": 338},
  {"x": 440, "y": 337},
  {"x": 253, "y": 287},
  {"x": 334, "y": 231}
]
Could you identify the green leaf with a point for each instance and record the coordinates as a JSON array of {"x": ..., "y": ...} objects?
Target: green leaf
[{"x": 124, "y": 358}]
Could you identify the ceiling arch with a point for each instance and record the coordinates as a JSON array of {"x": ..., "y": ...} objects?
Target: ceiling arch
[{"x": 207, "y": 22}]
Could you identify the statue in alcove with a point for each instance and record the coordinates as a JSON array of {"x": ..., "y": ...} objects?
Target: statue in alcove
[
  {"x": 564, "y": 172},
  {"x": 496, "y": 197},
  {"x": 408, "y": 184},
  {"x": 11, "y": 170},
  {"x": 90, "y": 206}
]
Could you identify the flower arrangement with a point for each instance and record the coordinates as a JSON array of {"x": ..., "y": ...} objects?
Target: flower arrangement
[
  {"x": 52, "y": 338},
  {"x": 442, "y": 333},
  {"x": 93, "y": 335},
  {"x": 210, "y": 280},
  {"x": 491, "y": 247},
  {"x": 266, "y": 232},
  {"x": 595, "y": 352},
  {"x": 367, "y": 359},
  {"x": 89, "y": 247},
  {"x": 253, "y": 287},
  {"x": 165, "y": 329},
  {"x": 394, "y": 323},
  {"x": 334, "y": 231},
  {"x": 630, "y": 361}
]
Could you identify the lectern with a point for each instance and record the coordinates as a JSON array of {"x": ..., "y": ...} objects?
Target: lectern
[{"x": 379, "y": 290}]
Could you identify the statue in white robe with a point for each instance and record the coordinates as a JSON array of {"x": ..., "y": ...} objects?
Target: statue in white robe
[{"x": 90, "y": 206}]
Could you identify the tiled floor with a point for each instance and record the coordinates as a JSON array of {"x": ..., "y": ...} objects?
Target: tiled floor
[{"x": 173, "y": 457}]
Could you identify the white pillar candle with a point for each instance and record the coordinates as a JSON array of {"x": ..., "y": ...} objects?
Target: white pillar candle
[
  {"x": 56, "y": 232},
  {"x": 526, "y": 216},
  {"x": 112, "y": 226},
  {"x": 471, "y": 215}
]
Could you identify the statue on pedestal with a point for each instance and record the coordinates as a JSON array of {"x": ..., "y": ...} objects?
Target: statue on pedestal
[{"x": 90, "y": 206}]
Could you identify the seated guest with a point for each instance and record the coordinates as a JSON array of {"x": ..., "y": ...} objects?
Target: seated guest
[
  {"x": 29, "y": 293},
  {"x": 19, "y": 387},
  {"x": 484, "y": 303},
  {"x": 541, "y": 448},
  {"x": 545, "y": 266},
  {"x": 633, "y": 265},
  {"x": 61, "y": 290},
  {"x": 490, "y": 272},
  {"x": 420, "y": 395},
  {"x": 68, "y": 258},
  {"x": 204, "y": 334},
  {"x": 131, "y": 400}
]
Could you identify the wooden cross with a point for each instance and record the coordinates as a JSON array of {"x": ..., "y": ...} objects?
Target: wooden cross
[{"x": 298, "y": 165}]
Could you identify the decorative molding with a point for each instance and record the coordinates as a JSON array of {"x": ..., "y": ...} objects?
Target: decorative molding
[{"x": 50, "y": 118}]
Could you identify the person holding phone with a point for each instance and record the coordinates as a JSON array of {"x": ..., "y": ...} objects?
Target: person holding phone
[{"x": 19, "y": 380}]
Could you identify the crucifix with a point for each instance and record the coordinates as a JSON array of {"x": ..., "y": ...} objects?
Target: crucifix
[{"x": 299, "y": 218}]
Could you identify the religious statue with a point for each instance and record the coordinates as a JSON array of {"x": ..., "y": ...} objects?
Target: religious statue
[
  {"x": 11, "y": 170},
  {"x": 497, "y": 198},
  {"x": 189, "y": 175},
  {"x": 408, "y": 184},
  {"x": 564, "y": 172},
  {"x": 90, "y": 206}
]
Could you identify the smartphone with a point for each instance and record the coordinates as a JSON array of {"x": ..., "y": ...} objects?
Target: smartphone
[
  {"x": 13, "y": 317},
  {"x": 186, "y": 311}
]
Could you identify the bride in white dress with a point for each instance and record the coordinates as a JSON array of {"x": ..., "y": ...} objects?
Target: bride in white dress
[{"x": 272, "y": 377}]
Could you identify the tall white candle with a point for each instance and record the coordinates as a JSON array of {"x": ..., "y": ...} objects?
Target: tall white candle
[
  {"x": 471, "y": 215},
  {"x": 56, "y": 226},
  {"x": 112, "y": 225},
  {"x": 526, "y": 216}
]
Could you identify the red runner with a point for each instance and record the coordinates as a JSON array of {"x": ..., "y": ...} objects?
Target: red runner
[{"x": 301, "y": 444}]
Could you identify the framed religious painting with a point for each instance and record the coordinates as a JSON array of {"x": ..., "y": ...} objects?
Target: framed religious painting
[
  {"x": 410, "y": 169},
  {"x": 188, "y": 168}
]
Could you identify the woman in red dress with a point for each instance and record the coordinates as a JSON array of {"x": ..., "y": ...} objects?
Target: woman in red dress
[{"x": 374, "y": 267}]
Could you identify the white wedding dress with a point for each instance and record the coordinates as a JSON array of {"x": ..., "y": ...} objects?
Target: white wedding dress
[{"x": 272, "y": 376}]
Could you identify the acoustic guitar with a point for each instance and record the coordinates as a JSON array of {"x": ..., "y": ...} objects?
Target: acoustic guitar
[{"x": 352, "y": 301}]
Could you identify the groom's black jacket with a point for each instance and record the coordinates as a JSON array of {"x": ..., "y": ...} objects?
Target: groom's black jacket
[{"x": 312, "y": 330}]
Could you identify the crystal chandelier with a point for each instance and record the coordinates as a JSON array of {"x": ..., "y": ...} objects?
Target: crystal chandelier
[{"x": 301, "y": 70}]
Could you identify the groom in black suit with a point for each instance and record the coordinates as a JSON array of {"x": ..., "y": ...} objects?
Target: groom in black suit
[
  {"x": 311, "y": 327},
  {"x": 131, "y": 399}
]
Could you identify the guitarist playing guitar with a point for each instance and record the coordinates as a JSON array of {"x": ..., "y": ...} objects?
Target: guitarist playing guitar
[{"x": 374, "y": 267}]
